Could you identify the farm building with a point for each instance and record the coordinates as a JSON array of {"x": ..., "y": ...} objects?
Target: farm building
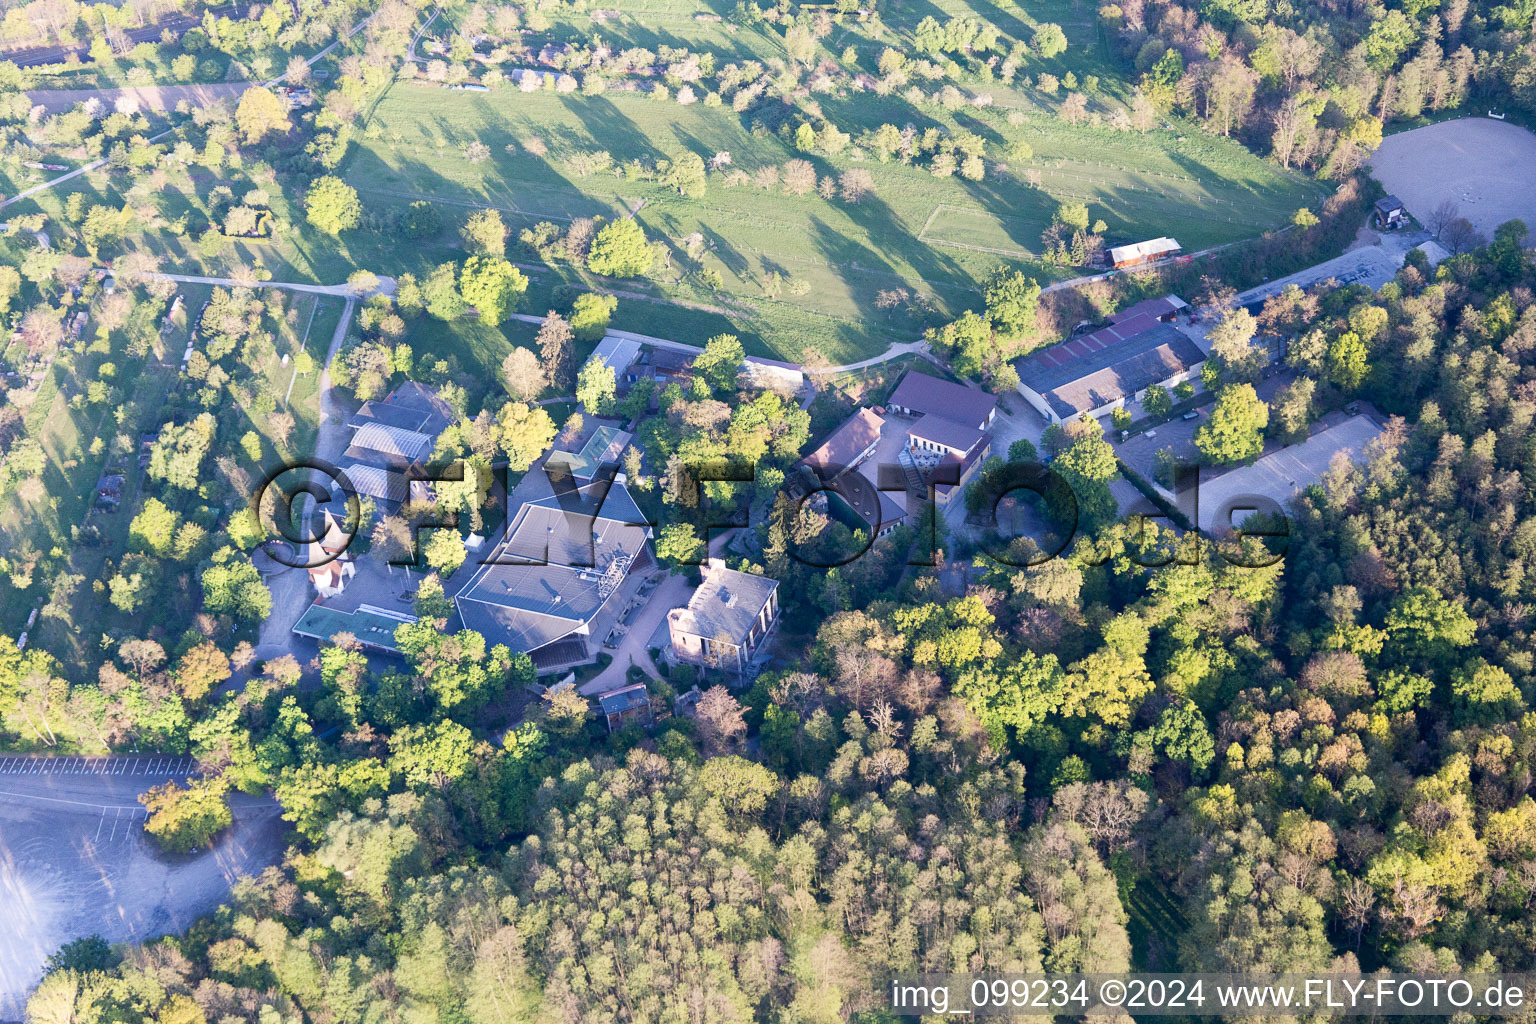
[
  {"x": 921, "y": 395},
  {"x": 1143, "y": 252},
  {"x": 847, "y": 446},
  {"x": 949, "y": 437},
  {"x": 391, "y": 437},
  {"x": 831, "y": 467},
  {"x": 664, "y": 365},
  {"x": 389, "y": 447},
  {"x": 411, "y": 406},
  {"x": 877, "y": 510},
  {"x": 372, "y": 627},
  {"x": 1099, "y": 372},
  {"x": 551, "y": 587},
  {"x": 727, "y": 619},
  {"x": 388, "y": 488},
  {"x": 1390, "y": 213}
]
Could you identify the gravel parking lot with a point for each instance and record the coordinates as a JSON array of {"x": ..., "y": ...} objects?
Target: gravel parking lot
[{"x": 75, "y": 861}]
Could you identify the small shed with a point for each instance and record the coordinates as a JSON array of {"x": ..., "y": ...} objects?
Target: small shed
[
  {"x": 1390, "y": 213},
  {"x": 627, "y": 704}
]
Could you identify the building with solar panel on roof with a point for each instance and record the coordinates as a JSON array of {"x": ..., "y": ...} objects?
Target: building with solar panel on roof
[
  {"x": 565, "y": 570},
  {"x": 1099, "y": 372}
]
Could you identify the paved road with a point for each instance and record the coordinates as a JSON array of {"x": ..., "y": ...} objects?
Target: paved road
[
  {"x": 672, "y": 592},
  {"x": 291, "y": 593},
  {"x": 74, "y": 861},
  {"x": 43, "y": 241}
]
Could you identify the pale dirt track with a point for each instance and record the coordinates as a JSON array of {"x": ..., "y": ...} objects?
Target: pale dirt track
[
  {"x": 149, "y": 97},
  {"x": 1482, "y": 165}
]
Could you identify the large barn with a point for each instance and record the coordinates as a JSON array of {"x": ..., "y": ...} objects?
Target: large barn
[
  {"x": 1143, "y": 252},
  {"x": 1099, "y": 372}
]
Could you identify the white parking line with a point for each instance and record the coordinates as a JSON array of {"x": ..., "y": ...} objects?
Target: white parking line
[
  {"x": 115, "y": 818},
  {"x": 100, "y": 823}
]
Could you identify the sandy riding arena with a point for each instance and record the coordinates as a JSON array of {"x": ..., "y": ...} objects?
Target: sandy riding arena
[{"x": 1482, "y": 165}]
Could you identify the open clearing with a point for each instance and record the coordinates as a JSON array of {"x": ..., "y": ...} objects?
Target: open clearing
[
  {"x": 74, "y": 860},
  {"x": 138, "y": 97},
  {"x": 1485, "y": 167}
]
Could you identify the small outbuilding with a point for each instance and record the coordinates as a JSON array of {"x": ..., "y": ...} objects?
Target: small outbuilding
[
  {"x": 1390, "y": 214},
  {"x": 627, "y": 704}
]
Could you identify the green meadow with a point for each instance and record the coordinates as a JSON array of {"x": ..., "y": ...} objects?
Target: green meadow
[{"x": 935, "y": 236}]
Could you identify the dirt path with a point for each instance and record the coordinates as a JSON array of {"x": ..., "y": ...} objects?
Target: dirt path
[{"x": 147, "y": 97}]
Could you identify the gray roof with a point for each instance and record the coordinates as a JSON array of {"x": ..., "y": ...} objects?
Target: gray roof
[
  {"x": 603, "y": 448},
  {"x": 628, "y": 698},
  {"x": 559, "y": 548},
  {"x": 1087, "y": 373},
  {"x": 725, "y": 605},
  {"x": 383, "y": 484},
  {"x": 1156, "y": 308},
  {"x": 849, "y": 441},
  {"x": 946, "y": 432},
  {"x": 411, "y": 406},
  {"x": 616, "y": 352},
  {"x": 392, "y": 441},
  {"x": 876, "y": 508},
  {"x": 925, "y": 394}
]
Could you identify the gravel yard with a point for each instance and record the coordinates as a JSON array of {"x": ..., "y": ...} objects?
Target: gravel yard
[{"x": 1480, "y": 164}]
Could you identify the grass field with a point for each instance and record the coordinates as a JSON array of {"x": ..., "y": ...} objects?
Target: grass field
[{"x": 916, "y": 231}]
